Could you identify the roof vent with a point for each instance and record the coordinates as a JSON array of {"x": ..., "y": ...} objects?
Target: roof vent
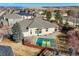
[{"x": 27, "y": 28}]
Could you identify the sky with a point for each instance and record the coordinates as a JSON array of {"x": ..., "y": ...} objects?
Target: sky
[{"x": 37, "y": 4}]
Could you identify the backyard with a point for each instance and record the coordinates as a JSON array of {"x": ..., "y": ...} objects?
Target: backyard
[{"x": 19, "y": 49}]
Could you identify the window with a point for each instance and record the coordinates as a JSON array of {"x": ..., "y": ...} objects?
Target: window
[
  {"x": 27, "y": 28},
  {"x": 46, "y": 29},
  {"x": 38, "y": 31},
  {"x": 31, "y": 32},
  {"x": 7, "y": 19}
]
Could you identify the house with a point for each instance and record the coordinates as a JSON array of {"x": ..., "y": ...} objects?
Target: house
[
  {"x": 26, "y": 15},
  {"x": 12, "y": 18},
  {"x": 33, "y": 27},
  {"x": 6, "y": 51},
  {"x": 40, "y": 12},
  {"x": 73, "y": 21},
  {"x": 3, "y": 21}
]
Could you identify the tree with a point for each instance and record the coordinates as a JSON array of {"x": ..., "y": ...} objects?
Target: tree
[
  {"x": 66, "y": 23},
  {"x": 62, "y": 41},
  {"x": 58, "y": 17},
  {"x": 48, "y": 15},
  {"x": 69, "y": 12},
  {"x": 17, "y": 34}
]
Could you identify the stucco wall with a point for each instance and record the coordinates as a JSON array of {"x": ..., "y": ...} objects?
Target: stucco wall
[
  {"x": 33, "y": 30},
  {"x": 27, "y": 17}
]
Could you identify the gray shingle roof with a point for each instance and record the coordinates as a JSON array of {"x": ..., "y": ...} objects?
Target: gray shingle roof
[
  {"x": 71, "y": 19},
  {"x": 36, "y": 23},
  {"x": 6, "y": 51},
  {"x": 13, "y": 16},
  {"x": 39, "y": 23},
  {"x": 24, "y": 24}
]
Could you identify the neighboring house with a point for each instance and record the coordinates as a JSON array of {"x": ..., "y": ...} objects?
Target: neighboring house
[
  {"x": 3, "y": 22},
  {"x": 34, "y": 27},
  {"x": 25, "y": 15},
  {"x": 6, "y": 51},
  {"x": 73, "y": 21},
  {"x": 12, "y": 18},
  {"x": 40, "y": 12}
]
